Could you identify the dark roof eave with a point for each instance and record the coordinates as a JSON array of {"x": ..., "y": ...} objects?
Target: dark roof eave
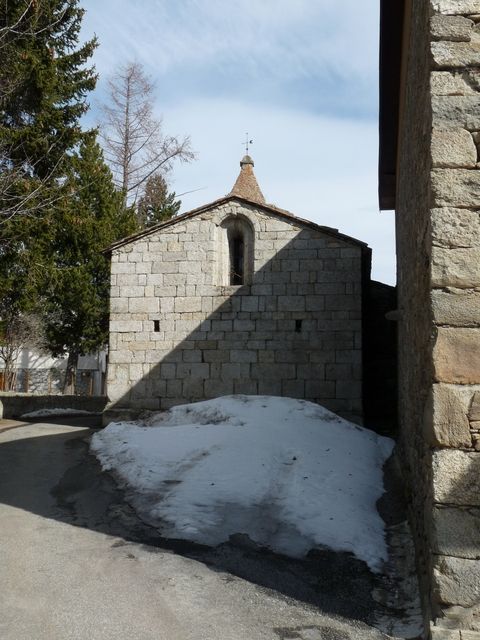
[{"x": 391, "y": 41}]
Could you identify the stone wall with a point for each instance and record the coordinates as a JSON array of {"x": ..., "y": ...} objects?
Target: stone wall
[
  {"x": 179, "y": 334},
  {"x": 51, "y": 381},
  {"x": 14, "y": 405},
  {"x": 438, "y": 249},
  {"x": 45, "y": 381}
]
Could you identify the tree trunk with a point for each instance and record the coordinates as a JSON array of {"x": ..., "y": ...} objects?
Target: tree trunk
[{"x": 69, "y": 385}]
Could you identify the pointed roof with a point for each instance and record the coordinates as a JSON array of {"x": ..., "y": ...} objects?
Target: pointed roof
[{"x": 246, "y": 185}]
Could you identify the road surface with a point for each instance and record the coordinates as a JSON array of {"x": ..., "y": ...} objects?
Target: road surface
[{"x": 77, "y": 564}]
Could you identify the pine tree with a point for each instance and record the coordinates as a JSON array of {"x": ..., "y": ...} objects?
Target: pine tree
[
  {"x": 157, "y": 204},
  {"x": 43, "y": 88},
  {"x": 78, "y": 278},
  {"x": 50, "y": 258}
]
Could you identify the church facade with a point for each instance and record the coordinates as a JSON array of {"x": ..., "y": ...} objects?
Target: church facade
[{"x": 240, "y": 297}]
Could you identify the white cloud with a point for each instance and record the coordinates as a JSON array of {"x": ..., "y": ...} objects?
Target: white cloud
[{"x": 287, "y": 39}]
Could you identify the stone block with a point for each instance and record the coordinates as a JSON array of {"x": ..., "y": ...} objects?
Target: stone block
[
  {"x": 457, "y": 307},
  {"x": 277, "y": 371},
  {"x": 456, "y": 532},
  {"x": 186, "y": 267},
  {"x": 193, "y": 388},
  {"x": 447, "y": 83},
  {"x": 293, "y": 388},
  {"x": 315, "y": 303},
  {"x": 235, "y": 370},
  {"x": 456, "y": 355},
  {"x": 474, "y": 409},
  {"x": 166, "y": 305},
  {"x": 456, "y": 267},
  {"x": 453, "y": 28},
  {"x": 193, "y": 370},
  {"x": 119, "y": 305},
  {"x": 348, "y": 389},
  {"x": 168, "y": 370},
  {"x": 291, "y": 303},
  {"x": 456, "y": 7},
  {"x": 338, "y": 371},
  {"x": 143, "y": 305},
  {"x": 243, "y": 355},
  {"x": 317, "y": 389},
  {"x": 187, "y": 305},
  {"x": 342, "y": 302},
  {"x": 174, "y": 389},
  {"x": 446, "y": 423},
  {"x": 123, "y": 326},
  {"x": 456, "y": 580},
  {"x": 216, "y": 355},
  {"x": 123, "y": 267},
  {"x": 217, "y": 388},
  {"x": 456, "y": 477},
  {"x": 455, "y": 227},
  {"x": 296, "y": 355},
  {"x": 243, "y": 325},
  {"x": 249, "y": 303},
  {"x": 455, "y": 187},
  {"x": 437, "y": 633},
  {"x": 453, "y": 148},
  {"x": 448, "y": 55},
  {"x": 165, "y": 267},
  {"x": 269, "y": 387},
  {"x": 246, "y": 387}
]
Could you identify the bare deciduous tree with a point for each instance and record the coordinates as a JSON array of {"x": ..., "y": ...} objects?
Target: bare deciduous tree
[
  {"x": 133, "y": 139},
  {"x": 18, "y": 332}
]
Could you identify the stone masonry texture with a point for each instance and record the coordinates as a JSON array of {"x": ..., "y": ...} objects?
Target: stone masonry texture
[
  {"x": 178, "y": 333},
  {"x": 438, "y": 249}
]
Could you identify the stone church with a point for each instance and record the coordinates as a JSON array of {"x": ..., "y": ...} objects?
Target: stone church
[{"x": 236, "y": 296}]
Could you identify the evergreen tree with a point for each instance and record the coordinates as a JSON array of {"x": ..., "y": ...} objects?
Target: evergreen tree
[
  {"x": 157, "y": 204},
  {"x": 50, "y": 246},
  {"x": 78, "y": 278},
  {"x": 43, "y": 88}
]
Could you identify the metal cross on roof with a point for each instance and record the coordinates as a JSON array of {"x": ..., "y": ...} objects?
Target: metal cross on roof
[{"x": 247, "y": 143}]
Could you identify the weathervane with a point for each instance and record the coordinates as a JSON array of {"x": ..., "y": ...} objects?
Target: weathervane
[{"x": 247, "y": 143}]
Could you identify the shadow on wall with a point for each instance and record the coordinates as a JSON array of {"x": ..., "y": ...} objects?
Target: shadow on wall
[{"x": 295, "y": 330}]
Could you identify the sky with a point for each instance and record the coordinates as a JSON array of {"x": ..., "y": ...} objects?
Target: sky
[{"x": 300, "y": 76}]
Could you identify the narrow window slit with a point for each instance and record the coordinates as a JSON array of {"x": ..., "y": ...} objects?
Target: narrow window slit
[
  {"x": 237, "y": 252},
  {"x": 298, "y": 326},
  {"x": 156, "y": 325}
]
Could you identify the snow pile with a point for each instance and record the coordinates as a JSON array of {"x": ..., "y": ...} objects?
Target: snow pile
[
  {"x": 46, "y": 413},
  {"x": 288, "y": 473}
]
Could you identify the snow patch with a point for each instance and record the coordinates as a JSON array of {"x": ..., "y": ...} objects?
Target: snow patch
[
  {"x": 45, "y": 413},
  {"x": 288, "y": 473}
]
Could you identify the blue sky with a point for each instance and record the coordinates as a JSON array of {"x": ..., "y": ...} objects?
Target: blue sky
[{"x": 299, "y": 75}]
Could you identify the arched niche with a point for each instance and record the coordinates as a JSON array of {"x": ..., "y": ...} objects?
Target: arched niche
[{"x": 235, "y": 251}]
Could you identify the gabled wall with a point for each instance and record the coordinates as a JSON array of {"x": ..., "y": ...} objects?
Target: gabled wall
[{"x": 294, "y": 331}]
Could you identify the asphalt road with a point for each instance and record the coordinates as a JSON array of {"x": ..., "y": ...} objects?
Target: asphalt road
[{"x": 77, "y": 563}]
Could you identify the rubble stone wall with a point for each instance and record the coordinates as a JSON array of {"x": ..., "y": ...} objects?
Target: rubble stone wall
[
  {"x": 179, "y": 334},
  {"x": 438, "y": 248}
]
